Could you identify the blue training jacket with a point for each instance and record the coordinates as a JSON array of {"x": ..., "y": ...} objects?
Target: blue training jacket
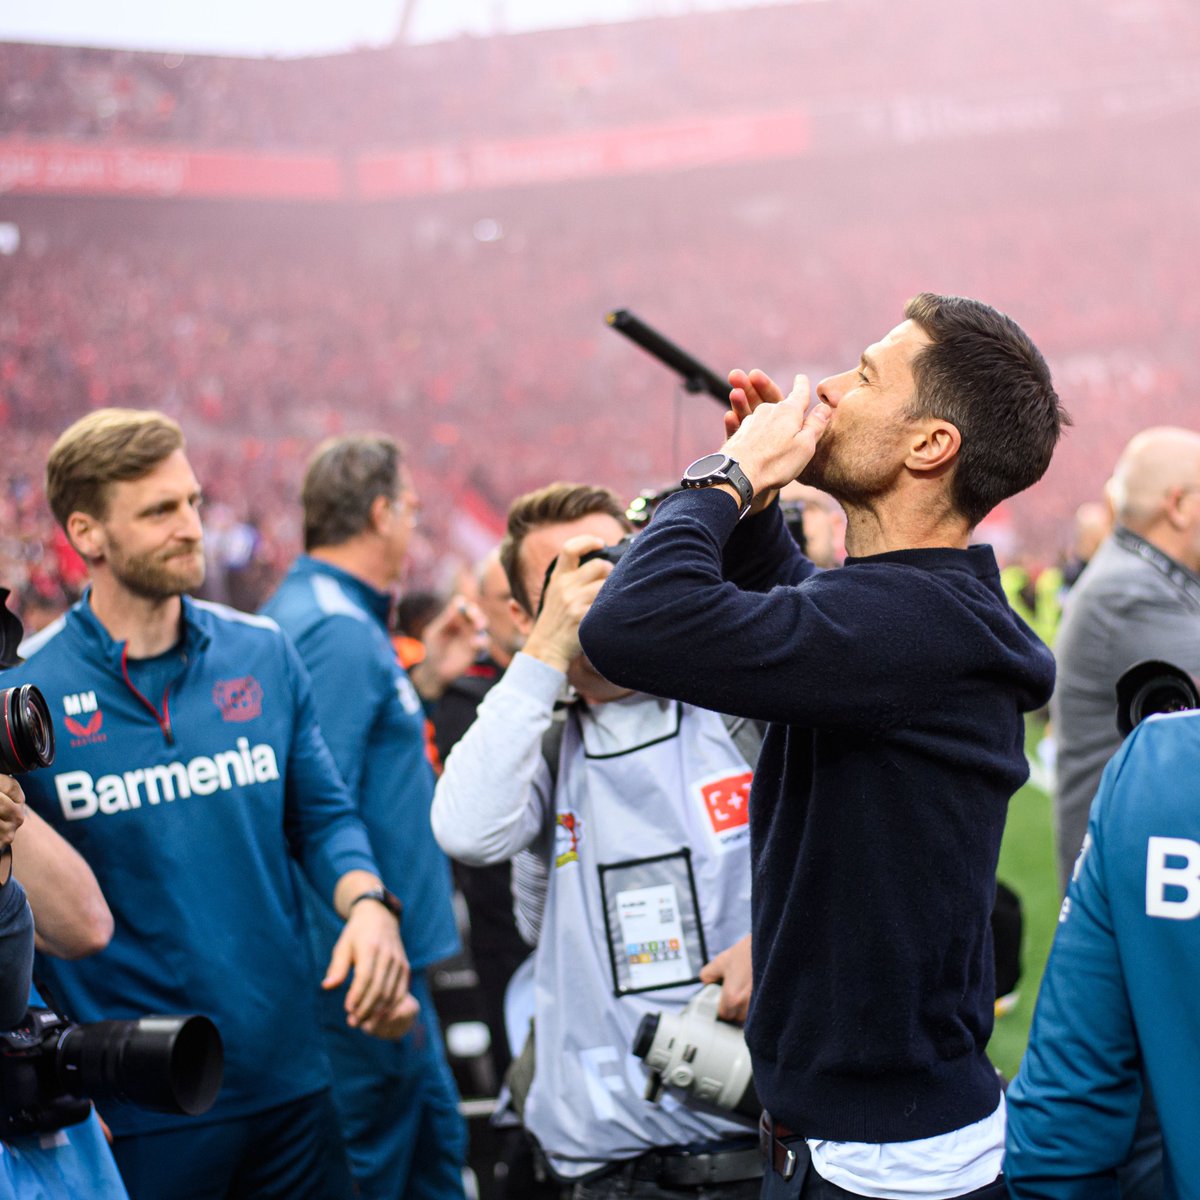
[
  {"x": 374, "y": 723},
  {"x": 189, "y": 808},
  {"x": 1118, "y": 998}
]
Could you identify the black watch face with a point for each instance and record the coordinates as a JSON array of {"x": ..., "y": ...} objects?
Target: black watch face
[{"x": 703, "y": 467}]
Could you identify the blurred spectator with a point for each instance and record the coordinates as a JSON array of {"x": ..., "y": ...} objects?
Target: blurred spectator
[
  {"x": 1138, "y": 599},
  {"x": 822, "y": 520},
  {"x": 397, "y": 1101},
  {"x": 497, "y": 949},
  {"x": 1093, "y": 523}
]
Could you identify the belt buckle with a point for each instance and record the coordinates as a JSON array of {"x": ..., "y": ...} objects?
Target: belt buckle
[
  {"x": 782, "y": 1159},
  {"x": 789, "y": 1163}
]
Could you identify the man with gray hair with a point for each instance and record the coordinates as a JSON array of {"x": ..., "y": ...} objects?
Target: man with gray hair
[
  {"x": 1138, "y": 599},
  {"x": 397, "y": 1100}
]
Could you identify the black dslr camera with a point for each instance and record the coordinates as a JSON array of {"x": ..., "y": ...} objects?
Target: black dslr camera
[
  {"x": 48, "y": 1064},
  {"x": 612, "y": 554},
  {"x": 26, "y": 730}
]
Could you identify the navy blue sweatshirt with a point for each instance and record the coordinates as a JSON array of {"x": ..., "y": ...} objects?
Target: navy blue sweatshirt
[{"x": 895, "y": 689}]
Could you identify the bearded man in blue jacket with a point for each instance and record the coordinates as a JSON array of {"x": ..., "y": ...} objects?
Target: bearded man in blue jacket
[{"x": 190, "y": 772}]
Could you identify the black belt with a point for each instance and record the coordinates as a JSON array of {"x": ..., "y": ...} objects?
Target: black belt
[{"x": 686, "y": 1168}]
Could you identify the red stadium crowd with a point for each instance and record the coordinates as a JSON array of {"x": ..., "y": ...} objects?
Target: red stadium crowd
[
  {"x": 472, "y": 326},
  {"x": 577, "y": 78}
]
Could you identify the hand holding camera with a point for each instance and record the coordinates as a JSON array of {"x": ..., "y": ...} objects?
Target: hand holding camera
[
  {"x": 12, "y": 810},
  {"x": 573, "y": 581},
  {"x": 26, "y": 743}
]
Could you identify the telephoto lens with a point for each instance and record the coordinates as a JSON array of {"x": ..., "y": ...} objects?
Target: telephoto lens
[
  {"x": 51, "y": 1068},
  {"x": 26, "y": 730},
  {"x": 170, "y": 1064}
]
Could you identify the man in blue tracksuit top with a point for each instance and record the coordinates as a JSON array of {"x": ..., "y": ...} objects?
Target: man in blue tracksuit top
[
  {"x": 895, "y": 689},
  {"x": 1118, "y": 999},
  {"x": 397, "y": 1101},
  {"x": 190, "y": 772}
]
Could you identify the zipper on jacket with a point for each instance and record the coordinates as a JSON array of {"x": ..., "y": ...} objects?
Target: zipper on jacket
[{"x": 162, "y": 718}]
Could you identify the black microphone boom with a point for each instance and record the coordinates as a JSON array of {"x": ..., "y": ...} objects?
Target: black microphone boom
[{"x": 696, "y": 376}]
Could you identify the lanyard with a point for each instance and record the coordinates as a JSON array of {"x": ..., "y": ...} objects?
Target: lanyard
[{"x": 1177, "y": 573}]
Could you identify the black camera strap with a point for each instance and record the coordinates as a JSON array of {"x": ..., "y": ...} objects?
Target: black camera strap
[{"x": 1177, "y": 573}]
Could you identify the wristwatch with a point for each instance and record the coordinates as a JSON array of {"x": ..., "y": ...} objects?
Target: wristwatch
[
  {"x": 720, "y": 468},
  {"x": 389, "y": 900}
]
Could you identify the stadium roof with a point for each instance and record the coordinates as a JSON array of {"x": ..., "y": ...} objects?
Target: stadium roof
[{"x": 281, "y": 28}]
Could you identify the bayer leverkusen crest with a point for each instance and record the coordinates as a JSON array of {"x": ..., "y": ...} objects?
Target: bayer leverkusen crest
[{"x": 239, "y": 699}]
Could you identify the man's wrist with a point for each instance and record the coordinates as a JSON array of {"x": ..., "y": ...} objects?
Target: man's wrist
[
  {"x": 380, "y": 895},
  {"x": 547, "y": 652}
]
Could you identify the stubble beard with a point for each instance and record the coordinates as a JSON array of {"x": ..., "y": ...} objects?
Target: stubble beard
[{"x": 158, "y": 577}]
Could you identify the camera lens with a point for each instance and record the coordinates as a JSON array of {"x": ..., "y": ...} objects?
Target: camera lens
[
  {"x": 646, "y": 1031},
  {"x": 1153, "y": 687},
  {"x": 170, "y": 1064},
  {"x": 26, "y": 730}
]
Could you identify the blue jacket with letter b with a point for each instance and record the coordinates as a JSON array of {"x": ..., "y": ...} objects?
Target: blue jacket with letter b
[
  {"x": 1118, "y": 999},
  {"x": 189, "y": 817}
]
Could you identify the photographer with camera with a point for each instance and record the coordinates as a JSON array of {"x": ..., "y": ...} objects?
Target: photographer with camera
[
  {"x": 896, "y": 688},
  {"x": 191, "y": 774},
  {"x": 634, "y": 810},
  {"x": 1116, "y": 1015},
  {"x": 16, "y": 921},
  {"x": 72, "y": 921}
]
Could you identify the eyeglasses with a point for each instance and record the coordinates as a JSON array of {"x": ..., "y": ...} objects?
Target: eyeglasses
[{"x": 409, "y": 504}]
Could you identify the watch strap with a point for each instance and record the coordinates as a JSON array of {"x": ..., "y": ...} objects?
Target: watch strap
[
  {"x": 745, "y": 489},
  {"x": 389, "y": 900}
]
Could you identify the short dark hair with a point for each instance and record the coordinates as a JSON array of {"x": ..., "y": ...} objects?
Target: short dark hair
[
  {"x": 110, "y": 445},
  {"x": 343, "y": 479},
  {"x": 555, "y": 504},
  {"x": 982, "y": 373}
]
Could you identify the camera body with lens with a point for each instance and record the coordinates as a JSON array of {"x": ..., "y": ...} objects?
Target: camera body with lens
[
  {"x": 696, "y": 1051},
  {"x": 612, "y": 554},
  {"x": 51, "y": 1068}
]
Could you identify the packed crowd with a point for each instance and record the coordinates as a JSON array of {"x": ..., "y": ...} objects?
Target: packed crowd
[
  {"x": 262, "y": 342},
  {"x": 574, "y": 78}
]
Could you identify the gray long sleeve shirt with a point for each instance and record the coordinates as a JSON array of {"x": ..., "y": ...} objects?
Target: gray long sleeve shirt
[{"x": 1132, "y": 603}]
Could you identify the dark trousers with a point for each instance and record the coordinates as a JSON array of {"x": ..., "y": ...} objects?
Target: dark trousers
[
  {"x": 622, "y": 1184},
  {"x": 292, "y": 1152},
  {"x": 808, "y": 1184}
]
